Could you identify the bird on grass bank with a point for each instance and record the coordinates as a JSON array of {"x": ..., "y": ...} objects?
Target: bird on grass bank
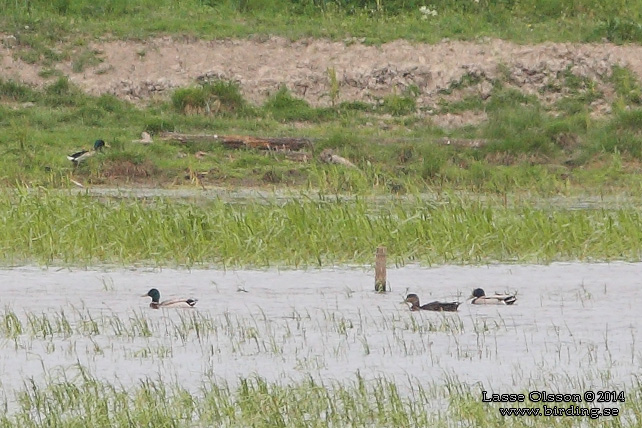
[
  {"x": 81, "y": 155},
  {"x": 479, "y": 297},
  {"x": 413, "y": 299},
  {"x": 173, "y": 303}
]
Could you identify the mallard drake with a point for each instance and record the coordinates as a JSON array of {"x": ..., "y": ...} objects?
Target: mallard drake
[
  {"x": 173, "y": 303},
  {"x": 480, "y": 298},
  {"x": 413, "y": 299},
  {"x": 80, "y": 156}
]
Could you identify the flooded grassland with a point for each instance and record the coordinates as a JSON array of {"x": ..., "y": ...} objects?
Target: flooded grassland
[
  {"x": 573, "y": 329},
  {"x": 288, "y": 330}
]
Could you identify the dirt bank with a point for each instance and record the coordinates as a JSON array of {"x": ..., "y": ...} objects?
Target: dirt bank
[{"x": 140, "y": 71}]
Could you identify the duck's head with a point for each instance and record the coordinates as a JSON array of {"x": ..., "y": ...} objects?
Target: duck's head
[
  {"x": 413, "y": 299},
  {"x": 154, "y": 294},
  {"x": 99, "y": 144},
  {"x": 477, "y": 292}
]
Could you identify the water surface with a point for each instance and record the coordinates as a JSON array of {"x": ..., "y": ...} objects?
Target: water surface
[{"x": 573, "y": 328}]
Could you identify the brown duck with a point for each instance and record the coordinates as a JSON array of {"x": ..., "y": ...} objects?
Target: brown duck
[{"x": 413, "y": 299}]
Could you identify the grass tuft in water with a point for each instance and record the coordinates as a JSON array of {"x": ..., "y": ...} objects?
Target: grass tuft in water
[
  {"x": 52, "y": 228},
  {"x": 83, "y": 400}
]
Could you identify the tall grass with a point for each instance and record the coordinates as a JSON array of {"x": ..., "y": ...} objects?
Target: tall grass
[
  {"x": 84, "y": 400},
  {"x": 524, "y": 145},
  {"x": 52, "y": 228},
  {"x": 37, "y": 24},
  {"x": 134, "y": 371},
  {"x": 218, "y": 97}
]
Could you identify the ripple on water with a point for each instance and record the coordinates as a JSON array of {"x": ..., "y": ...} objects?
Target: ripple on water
[{"x": 573, "y": 322}]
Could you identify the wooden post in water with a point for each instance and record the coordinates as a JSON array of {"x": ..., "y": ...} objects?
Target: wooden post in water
[{"x": 380, "y": 270}]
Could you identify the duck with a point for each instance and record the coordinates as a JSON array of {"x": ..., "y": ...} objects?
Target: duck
[
  {"x": 413, "y": 299},
  {"x": 81, "y": 155},
  {"x": 479, "y": 297},
  {"x": 173, "y": 303}
]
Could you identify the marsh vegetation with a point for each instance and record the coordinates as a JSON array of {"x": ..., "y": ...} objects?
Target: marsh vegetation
[
  {"x": 319, "y": 347},
  {"x": 524, "y": 146},
  {"x": 40, "y": 23},
  {"x": 308, "y": 231},
  {"x": 288, "y": 331}
]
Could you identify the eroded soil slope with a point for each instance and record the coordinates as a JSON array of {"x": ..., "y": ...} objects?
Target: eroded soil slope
[{"x": 139, "y": 71}]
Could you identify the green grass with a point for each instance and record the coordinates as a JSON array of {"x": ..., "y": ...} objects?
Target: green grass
[
  {"x": 211, "y": 98},
  {"x": 400, "y": 105},
  {"x": 488, "y": 204},
  {"x": 282, "y": 106},
  {"x": 51, "y": 228},
  {"x": 529, "y": 146},
  {"x": 87, "y": 401},
  {"x": 38, "y": 24},
  {"x": 626, "y": 85}
]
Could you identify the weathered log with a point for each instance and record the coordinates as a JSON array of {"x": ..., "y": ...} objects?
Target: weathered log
[
  {"x": 282, "y": 144},
  {"x": 242, "y": 141}
]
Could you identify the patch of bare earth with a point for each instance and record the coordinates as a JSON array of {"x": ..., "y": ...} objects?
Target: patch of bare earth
[
  {"x": 122, "y": 171},
  {"x": 141, "y": 71}
]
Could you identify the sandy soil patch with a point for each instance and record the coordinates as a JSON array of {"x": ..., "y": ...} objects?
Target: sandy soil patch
[{"x": 143, "y": 70}]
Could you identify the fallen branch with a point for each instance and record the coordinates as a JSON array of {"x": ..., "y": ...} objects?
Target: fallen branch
[
  {"x": 328, "y": 156},
  {"x": 145, "y": 138},
  {"x": 76, "y": 182}
]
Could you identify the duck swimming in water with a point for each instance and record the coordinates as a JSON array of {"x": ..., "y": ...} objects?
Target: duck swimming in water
[
  {"x": 81, "y": 155},
  {"x": 173, "y": 303},
  {"x": 413, "y": 299},
  {"x": 480, "y": 298}
]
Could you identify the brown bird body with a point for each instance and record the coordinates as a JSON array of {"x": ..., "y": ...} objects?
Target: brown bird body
[{"x": 413, "y": 299}]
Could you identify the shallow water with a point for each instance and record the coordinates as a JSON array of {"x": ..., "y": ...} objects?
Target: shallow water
[
  {"x": 254, "y": 195},
  {"x": 573, "y": 328}
]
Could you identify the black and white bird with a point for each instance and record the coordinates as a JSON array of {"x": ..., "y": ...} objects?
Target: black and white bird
[
  {"x": 81, "y": 155},
  {"x": 173, "y": 303},
  {"x": 479, "y": 297}
]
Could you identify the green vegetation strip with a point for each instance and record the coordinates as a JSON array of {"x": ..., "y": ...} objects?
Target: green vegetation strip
[
  {"x": 40, "y": 24},
  {"x": 53, "y": 228},
  {"x": 89, "y": 402},
  {"x": 525, "y": 145}
]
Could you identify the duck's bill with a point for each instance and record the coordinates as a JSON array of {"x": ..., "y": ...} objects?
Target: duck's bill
[{"x": 144, "y": 295}]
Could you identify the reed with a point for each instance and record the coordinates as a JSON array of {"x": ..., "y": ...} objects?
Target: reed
[
  {"x": 52, "y": 228},
  {"x": 69, "y": 393},
  {"x": 83, "y": 400}
]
